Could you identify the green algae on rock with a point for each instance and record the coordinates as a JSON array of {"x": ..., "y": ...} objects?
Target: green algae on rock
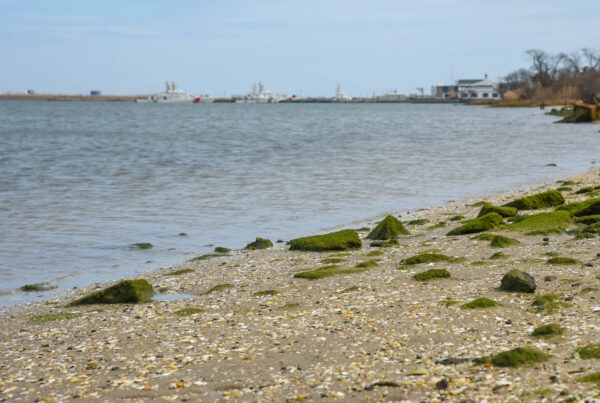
[
  {"x": 583, "y": 208},
  {"x": 188, "y": 312},
  {"x": 142, "y": 245},
  {"x": 498, "y": 255},
  {"x": 206, "y": 257},
  {"x": 124, "y": 292},
  {"x": 266, "y": 293},
  {"x": 518, "y": 281},
  {"x": 327, "y": 271},
  {"x": 389, "y": 227},
  {"x": 518, "y": 357},
  {"x": 384, "y": 244},
  {"x": 481, "y": 302},
  {"x": 375, "y": 253},
  {"x": 219, "y": 287},
  {"x": 480, "y": 224},
  {"x": 547, "y": 199},
  {"x": 431, "y": 274},
  {"x": 418, "y": 221},
  {"x": 340, "y": 240},
  {"x": 366, "y": 264},
  {"x": 179, "y": 272},
  {"x": 427, "y": 258},
  {"x": 554, "y": 222},
  {"x": 592, "y": 229},
  {"x": 588, "y": 219},
  {"x": 220, "y": 249},
  {"x": 37, "y": 287},
  {"x": 457, "y": 218},
  {"x": 333, "y": 260},
  {"x": 547, "y": 302},
  {"x": 260, "y": 243},
  {"x": 501, "y": 210},
  {"x": 562, "y": 260},
  {"x": 589, "y": 351},
  {"x": 548, "y": 331},
  {"x": 500, "y": 241}
]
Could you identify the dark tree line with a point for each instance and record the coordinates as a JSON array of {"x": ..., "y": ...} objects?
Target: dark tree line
[{"x": 579, "y": 71}]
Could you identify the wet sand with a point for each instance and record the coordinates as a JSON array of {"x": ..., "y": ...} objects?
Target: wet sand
[{"x": 369, "y": 336}]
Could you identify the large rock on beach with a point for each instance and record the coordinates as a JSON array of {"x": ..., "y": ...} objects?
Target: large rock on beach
[
  {"x": 260, "y": 243},
  {"x": 518, "y": 281},
  {"x": 583, "y": 208},
  {"x": 550, "y": 198},
  {"x": 389, "y": 227},
  {"x": 503, "y": 211},
  {"x": 124, "y": 292},
  {"x": 340, "y": 240},
  {"x": 480, "y": 224}
]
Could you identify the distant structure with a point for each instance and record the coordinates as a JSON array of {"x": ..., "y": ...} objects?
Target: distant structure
[
  {"x": 95, "y": 93},
  {"x": 341, "y": 96},
  {"x": 467, "y": 89},
  {"x": 393, "y": 96}
]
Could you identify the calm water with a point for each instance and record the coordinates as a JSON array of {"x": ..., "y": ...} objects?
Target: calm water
[{"x": 80, "y": 182}]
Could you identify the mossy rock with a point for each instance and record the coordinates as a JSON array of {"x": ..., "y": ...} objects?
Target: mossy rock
[
  {"x": 501, "y": 210},
  {"x": 564, "y": 188},
  {"x": 480, "y": 224},
  {"x": 340, "y": 240},
  {"x": 457, "y": 218},
  {"x": 124, "y": 292},
  {"x": 583, "y": 208},
  {"x": 500, "y": 241},
  {"x": 518, "y": 281},
  {"x": 206, "y": 257},
  {"x": 188, "y": 312},
  {"x": 588, "y": 219},
  {"x": 562, "y": 261},
  {"x": 142, "y": 245},
  {"x": 592, "y": 229},
  {"x": 418, "y": 221},
  {"x": 587, "y": 189},
  {"x": 589, "y": 351},
  {"x": 375, "y": 253},
  {"x": 579, "y": 114},
  {"x": 367, "y": 264},
  {"x": 547, "y": 199},
  {"x": 591, "y": 378},
  {"x": 518, "y": 357},
  {"x": 260, "y": 243},
  {"x": 221, "y": 249},
  {"x": 554, "y": 222},
  {"x": 546, "y": 301},
  {"x": 384, "y": 244},
  {"x": 179, "y": 272},
  {"x": 431, "y": 274},
  {"x": 219, "y": 287},
  {"x": 266, "y": 293},
  {"x": 327, "y": 271},
  {"x": 548, "y": 331},
  {"x": 37, "y": 287},
  {"x": 389, "y": 227},
  {"x": 498, "y": 256},
  {"x": 480, "y": 303},
  {"x": 427, "y": 258}
]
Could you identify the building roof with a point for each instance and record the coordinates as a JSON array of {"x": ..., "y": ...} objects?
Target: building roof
[{"x": 469, "y": 81}]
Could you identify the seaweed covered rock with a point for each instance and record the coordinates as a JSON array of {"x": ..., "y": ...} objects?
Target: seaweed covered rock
[
  {"x": 497, "y": 241},
  {"x": 584, "y": 208},
  {"x": 340, "y": 240},
  {"x": 501, "y": 210},
  {"x": 547, "y": 199},
  {"x": 260, "y": 243},
  {"x": 517, "y": 357},
  {"x": 480, "y": 224},
  {"x": 427, "y": 258},
  {"x": 580, "y": 114},
  {"x": 389, "y": 227},
  {"x": 588, "y": 219},
  {"x": 124, "y": 292},
  {"x": 592, "y": 229},
  {"x": 518, "y": 281},
  {"x": 554, "y": 222},
  {"x": 431, "y": 274},
  {"x": 548, "y": 331}
]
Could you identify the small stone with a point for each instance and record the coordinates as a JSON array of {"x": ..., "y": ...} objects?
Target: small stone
[
  {"x": 589, "y": 265},
  {"x": 508, "y": 322},
  {"x": 576, "y": 285},
  {"x": 554, "y": 379},
  {"x": 519, "y": 281},
  {"x": 442, "y": 385},
  {"x": 546, "y": 239},
  {"x": 550, "y": 278}
]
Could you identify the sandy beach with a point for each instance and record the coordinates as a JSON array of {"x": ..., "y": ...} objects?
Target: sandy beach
[{"x": 373, "y": 335}]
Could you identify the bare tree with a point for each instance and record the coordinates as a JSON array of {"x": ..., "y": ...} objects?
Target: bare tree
[
  {"x": 592, "y": 58},
  {"x": 540, "y": 66}
]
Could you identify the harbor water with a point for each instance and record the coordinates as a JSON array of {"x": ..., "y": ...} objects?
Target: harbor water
[{"x": 81, "y": 182}]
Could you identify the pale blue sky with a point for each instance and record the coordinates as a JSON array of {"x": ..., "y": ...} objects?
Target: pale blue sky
[{"x": 300, "y": 47}]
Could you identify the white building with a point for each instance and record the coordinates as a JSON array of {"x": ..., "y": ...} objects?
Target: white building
[{"x": 477, "y": 89}]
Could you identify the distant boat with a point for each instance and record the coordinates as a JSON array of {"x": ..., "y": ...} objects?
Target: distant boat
[
  {"x": 174, "y": 95},
  {"x": 261, "y": 96}
]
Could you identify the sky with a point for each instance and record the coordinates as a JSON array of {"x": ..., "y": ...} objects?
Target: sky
[{"x": 302, "y": 47}]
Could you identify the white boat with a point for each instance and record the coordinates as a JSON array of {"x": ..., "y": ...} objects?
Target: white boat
[
  {"x": 172, "y": 95},
  {"x": 261, "y": 96}
]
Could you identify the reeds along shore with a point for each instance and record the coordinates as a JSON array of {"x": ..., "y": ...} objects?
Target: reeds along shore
[{"x": 412, "y": 314}]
